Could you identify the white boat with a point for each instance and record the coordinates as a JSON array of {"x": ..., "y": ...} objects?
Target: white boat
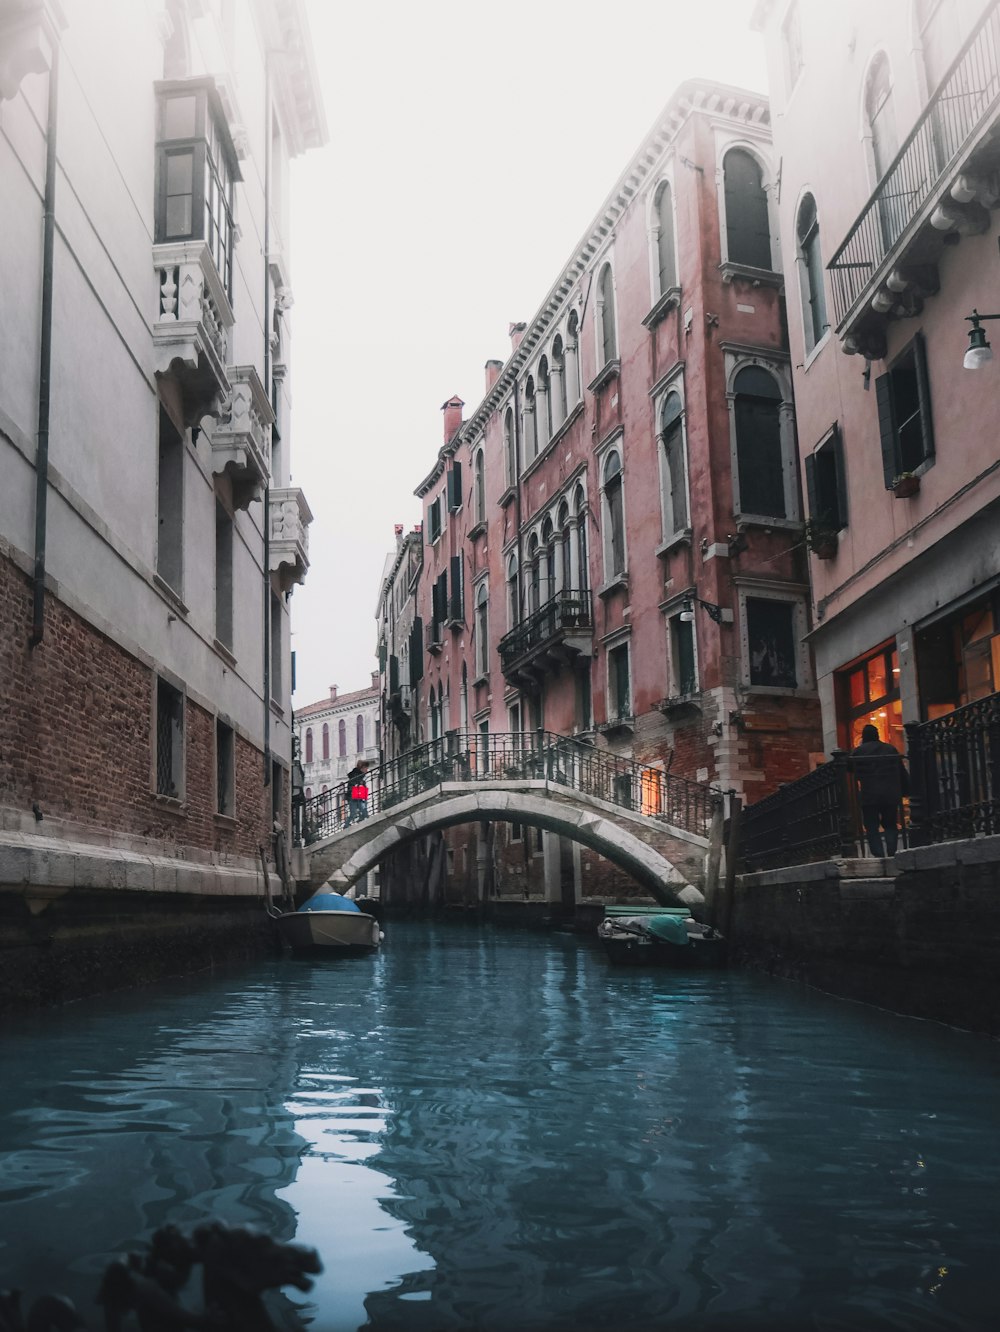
[{"x": 329, "y": 923}]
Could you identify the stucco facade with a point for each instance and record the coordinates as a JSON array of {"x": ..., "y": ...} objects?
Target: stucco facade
[
  {"x": 149, "y": 534},
  {"x": 335, "y": 733},
  {"x": 885, "y": 117}
]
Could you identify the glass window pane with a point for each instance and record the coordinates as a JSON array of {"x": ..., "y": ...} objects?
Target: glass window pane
[
  {"x": 180, "y": 117},
  {"x": 180, "y": 173},
  {"x": 179, "y": 215},
  {"x": 876, "y": 677},
  {"x": 856, "y": 682},
  {"x": 771, "y": 641}
]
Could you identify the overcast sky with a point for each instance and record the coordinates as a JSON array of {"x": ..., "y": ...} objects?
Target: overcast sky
[{"x": 470, "y": 147}]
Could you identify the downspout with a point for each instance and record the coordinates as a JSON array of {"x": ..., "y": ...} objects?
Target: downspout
[
  {"x": 267, "y": 389},
  {"x": 45, "y": 360}
]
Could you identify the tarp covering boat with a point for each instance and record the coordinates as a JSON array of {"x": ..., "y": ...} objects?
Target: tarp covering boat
[
  {"x": 671, "y": 929},
  {"x": 329, "y": 902}
]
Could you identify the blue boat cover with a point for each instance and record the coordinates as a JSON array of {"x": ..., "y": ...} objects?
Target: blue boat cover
[
  {"x": 329, "y": 902},
  {"x": 671, "y": 929}
]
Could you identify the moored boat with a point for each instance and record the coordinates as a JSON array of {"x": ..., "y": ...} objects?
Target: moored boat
[
  {"x": 661, "y": 937},
  {"x": 329, "y": 924}
]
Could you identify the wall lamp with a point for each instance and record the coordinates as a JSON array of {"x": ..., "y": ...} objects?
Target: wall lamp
[
  {"x": 720, "y": 614},
  {"x": 979, "y": 351}
]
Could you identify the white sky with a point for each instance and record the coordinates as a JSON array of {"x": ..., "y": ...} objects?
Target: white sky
[{"x": 470, "y": 147}]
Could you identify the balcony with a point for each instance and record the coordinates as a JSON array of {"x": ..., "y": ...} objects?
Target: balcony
[
  {"x": 240, "y": 442},
  {"x": 192, "y": 326},
  {"x": 937, "y": 190},
  {"x": 549, "y": 638},
  {"x": 290, "y": 517}
]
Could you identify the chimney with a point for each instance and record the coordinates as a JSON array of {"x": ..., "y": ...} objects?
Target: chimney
[
  {"x": 452, "y": 416},
  {"x": 398, "y": 529},
  {"x": 516, "y": 332},
  {"x": 333, "y": 693},
  {"x": 374, "y": 679},
  {"x": 493, "y": 369}
]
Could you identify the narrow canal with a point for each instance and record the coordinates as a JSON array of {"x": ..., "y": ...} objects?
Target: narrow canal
[{"x": 494, "y": 1131}]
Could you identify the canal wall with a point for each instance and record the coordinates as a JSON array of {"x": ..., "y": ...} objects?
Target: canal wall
[
  {"x": 80, "y": 917},
  {"x": 918, "y": 933}
]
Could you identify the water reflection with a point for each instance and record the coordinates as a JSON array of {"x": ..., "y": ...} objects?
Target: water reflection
[{"x": 493, "y": 1131}]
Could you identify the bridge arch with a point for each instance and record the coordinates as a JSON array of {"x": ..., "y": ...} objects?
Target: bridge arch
[{"x": 652, "y": 859}]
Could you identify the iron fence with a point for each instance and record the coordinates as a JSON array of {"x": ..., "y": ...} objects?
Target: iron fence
[
  {"x": 955, "y": 773},
  {"x": 965, "y": 100},
  {"x": 471, "y": 756}
]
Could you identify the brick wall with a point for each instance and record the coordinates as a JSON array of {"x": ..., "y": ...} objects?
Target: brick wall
[{"x": 76, "y": 737}]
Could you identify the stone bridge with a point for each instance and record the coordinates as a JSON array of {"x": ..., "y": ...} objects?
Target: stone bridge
[{"x": 669, "y": 861}]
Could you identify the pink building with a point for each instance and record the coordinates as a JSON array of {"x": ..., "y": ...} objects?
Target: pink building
[
  {"x": 885, "y": 124},
  {"x": 613, "y": 536}
]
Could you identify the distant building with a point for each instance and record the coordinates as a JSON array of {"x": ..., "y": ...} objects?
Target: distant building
[
  {"x": 401, "y": 658},
  {"x": 886, "y": 121},
  {"x": 335, "y": 733},
  {"x": 613, "y": 537},
  {"x": 150, "y": 535}
]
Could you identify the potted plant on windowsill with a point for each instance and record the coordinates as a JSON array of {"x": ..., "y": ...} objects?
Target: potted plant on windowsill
[
  {"x": 906, "y": 485},
  {"x": 821, "y": 539}
]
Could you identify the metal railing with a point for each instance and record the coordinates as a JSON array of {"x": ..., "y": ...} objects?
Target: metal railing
[
  {"x": 568, "y": 611},
  {"x": 955, "y": 773},
  {"x": 470, "y": 756},
  {"x": 963, "y": 102}
]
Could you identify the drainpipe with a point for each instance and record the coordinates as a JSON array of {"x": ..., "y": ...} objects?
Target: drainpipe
[
  {"x": 267, "y": 389},
  {"x": 45, "y": 360}
]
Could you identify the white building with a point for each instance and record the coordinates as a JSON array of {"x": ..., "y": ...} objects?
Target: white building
[
  {"x": 335, "y": 734},
  {"x": 149, "y": 534}
]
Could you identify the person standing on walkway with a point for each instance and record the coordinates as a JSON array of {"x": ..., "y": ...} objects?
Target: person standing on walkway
[
  {"x": 883, "y": 782},
  {"x": 357, "y": 792}
]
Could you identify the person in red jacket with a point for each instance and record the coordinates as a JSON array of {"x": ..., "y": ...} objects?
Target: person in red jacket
[{"x": 357, "y": 792}]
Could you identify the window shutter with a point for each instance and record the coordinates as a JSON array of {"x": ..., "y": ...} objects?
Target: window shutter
[
  {"x": 812, "y": 492},
  {"x": 455, "y": 487},
  {"x": 837, "y": 444},
  {"x": 886, "y": 428},
  {"x": 924, "y": 393},
  {"x": 416, "y": 650},
  {"x": 393, "y": 675},
  {"x": 455, "y": 611},
  {"x": 442, "y": 598}
]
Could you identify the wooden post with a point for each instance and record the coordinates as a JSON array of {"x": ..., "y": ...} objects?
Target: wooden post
[
  {"x": 732, "y": 856},
  {"x": 714, "y": 860}
]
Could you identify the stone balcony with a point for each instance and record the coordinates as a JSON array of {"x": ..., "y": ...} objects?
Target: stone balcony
[
  {"x": 548, "y": 638},
  {"x": 192, "y": 326},
  {"x": 940, "y": 187},
  {"x": 241, "y": 438},
  {"x": 290, "y": 517}
]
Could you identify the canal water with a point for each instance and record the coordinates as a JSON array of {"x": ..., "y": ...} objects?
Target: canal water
[{"x": 492, "y": 1130}]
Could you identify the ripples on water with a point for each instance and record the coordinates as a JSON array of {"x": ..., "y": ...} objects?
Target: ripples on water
[{"x": 494, "y": 1131}]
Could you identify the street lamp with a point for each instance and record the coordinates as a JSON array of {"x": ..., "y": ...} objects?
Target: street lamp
[
  {"x": 979, "y": 351},
  {"x": 714, "y": 612}
]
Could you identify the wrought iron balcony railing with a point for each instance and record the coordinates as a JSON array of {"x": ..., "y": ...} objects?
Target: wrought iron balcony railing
[
  {"x": 955, "y": 119},
  {"x": 469, "y": 756},
  {"x": 567, "y": 613}
]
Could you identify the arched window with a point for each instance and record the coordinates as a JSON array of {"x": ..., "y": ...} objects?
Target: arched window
[
  {"x": 748, "y": 227},
  {"x": 534, "y": 574},
  {"x": 326, "y": 742},
  {"x": 811, "y": 273},
  {"x": 482, "y": 630},
  {"x": 479, "y": 484},
  {"x": 675, "y": 507},
  {"x": 543, "y": 413},
  {"x": 557, "y": 390},
  {"x": 513, "y": 600},
  {"x": 606, "y": 315},
  {"x": 666, "y": 257},
  {"x": 509, "y": 454},
  {"x": 342, "y": 738},
  {"x": 530, "y": 446},
  {"x": 760, "y": 460},
  {"x": 614, "y": 517},
  {"x": 359, "y": 730},
  {"x": 580, "y": 510},
  {"x": 565, "y": 562},
  {"x": 309, "y": 744},
  {"x": 573, "y": 359},
  {"x": 549, "y": 559},
  {"x": 880, "y": 115},
  {"x": 464, "y": 719}
]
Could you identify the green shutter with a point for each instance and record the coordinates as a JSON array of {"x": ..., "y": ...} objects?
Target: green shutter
[
  {"x": 887, "y": 428},
  {"x": 455, "y": 609},
  {"x": 924, "y": 393},
  {"x": 812, "y": 494}
]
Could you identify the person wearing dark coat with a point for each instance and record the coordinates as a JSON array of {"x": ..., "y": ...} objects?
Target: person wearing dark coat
[
  {"x": 357, "y": 792},
  {"x": 883, "y": 782}
]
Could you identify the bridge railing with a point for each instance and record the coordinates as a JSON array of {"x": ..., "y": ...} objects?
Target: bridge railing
[{"x": 472, "y": 756}]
